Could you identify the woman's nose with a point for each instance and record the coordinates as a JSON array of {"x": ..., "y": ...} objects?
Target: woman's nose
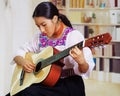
[{"x": 42, "y": 29}]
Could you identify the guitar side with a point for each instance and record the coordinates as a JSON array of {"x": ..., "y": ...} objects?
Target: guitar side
[{"x": 31, "y": 78}]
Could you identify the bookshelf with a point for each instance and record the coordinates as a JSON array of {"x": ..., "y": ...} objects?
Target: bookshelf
[{"x": 93, "y": 17}]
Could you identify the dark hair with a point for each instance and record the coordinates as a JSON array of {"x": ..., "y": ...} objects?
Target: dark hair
[{"x": 49, "y": 10}]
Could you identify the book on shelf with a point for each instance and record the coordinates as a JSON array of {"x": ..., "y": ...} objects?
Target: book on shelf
[
  {"x": 81, "y": 3},
  {"x": 88, "y": 3},
  {"x": 108, "y": 3},
  {"x": 115, "y": 65},
  {"x": 114, "y": 16},
  {"x": 108, "y": 64},
  {"x": 94, "y": 3},
  {"x": 70, "y": 4},
  {"x": 114, "y": 3},
  {"x": 105, "y": 60},
  {"x": 86, "y": 33},
  {"x": 119, "y": 3},
  {"x": 109, "y": 50},
  {"x": 76, "y": 3},
  {"x": 101, "y": 64},
  {"x": 116, "y": 48},
  {"x": 118, "y": 34},
  {"x": 64, "y": 3}
]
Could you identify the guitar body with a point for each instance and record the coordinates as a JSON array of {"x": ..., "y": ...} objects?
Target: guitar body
[{"x": 48, "y": 75}]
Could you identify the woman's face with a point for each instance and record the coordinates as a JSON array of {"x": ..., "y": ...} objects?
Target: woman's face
[{"x": 46, "y": 26}]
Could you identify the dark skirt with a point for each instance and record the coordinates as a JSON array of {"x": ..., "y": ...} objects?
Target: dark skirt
[{"x": 70, "y": 86}]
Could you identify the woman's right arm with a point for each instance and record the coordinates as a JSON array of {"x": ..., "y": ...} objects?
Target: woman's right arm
[
  {"x": 27, "y": 65},
  {"x": 19, "y": 57}
]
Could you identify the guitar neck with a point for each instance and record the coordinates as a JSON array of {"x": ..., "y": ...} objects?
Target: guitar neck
[
  {"x": 58, "y": 56},
  {"x": 96, "y": 41}
]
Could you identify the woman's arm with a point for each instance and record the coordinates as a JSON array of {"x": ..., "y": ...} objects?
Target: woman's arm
[
  {"x": 19, "y": 57},
  {"x": 78, "y": 55},
  {"x": 27, "y": 65},
  {"x": 82, "y": 59}
]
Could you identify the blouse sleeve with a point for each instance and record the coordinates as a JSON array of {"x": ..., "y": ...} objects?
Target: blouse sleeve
[
  {"x": 31, "y": 46},
  {"x": 74, "y": 38}
]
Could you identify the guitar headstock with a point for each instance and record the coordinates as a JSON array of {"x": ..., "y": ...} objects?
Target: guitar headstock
[{"x": 98, "y": 40}]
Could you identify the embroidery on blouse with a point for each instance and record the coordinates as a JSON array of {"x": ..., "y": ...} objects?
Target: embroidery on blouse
[{"x": 44, "y": 41}]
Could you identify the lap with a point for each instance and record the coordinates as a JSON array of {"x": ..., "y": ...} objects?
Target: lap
[{"x": 71, "y": 86}]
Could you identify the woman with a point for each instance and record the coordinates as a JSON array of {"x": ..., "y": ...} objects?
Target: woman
[{"x": 56, "y": 31}]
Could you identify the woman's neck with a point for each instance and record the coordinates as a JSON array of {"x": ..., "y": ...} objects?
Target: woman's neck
[{"x": 59, "y": 30}]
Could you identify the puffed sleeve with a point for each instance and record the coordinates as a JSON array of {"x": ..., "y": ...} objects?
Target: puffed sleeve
[
  {"x": 72, "y": 39},
  {"x": 30, "y": 46}
]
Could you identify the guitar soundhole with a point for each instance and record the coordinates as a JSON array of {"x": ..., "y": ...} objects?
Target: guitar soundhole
[{"x": 38, "y": 67}]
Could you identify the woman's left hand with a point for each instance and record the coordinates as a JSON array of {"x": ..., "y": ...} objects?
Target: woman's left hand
[{"x": 78, "y": 55}]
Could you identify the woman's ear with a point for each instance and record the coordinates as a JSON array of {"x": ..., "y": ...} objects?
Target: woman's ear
[{"x": 55, "y": 19}]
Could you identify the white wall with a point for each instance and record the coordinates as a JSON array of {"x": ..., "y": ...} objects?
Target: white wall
[{"x": 15, "y": 28}]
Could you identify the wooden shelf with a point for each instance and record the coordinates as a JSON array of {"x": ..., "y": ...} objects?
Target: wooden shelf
[
  {"x": 108, "y": 57},
  {"x": 96, "y": 24},
  {"x": 93, "y": 9}
]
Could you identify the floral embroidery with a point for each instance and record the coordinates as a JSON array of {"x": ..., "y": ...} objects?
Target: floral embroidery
[{"x": 44, "y": 41}]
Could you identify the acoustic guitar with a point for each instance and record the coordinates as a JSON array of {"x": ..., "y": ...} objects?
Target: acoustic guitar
[{"x": 49, "y": 64}]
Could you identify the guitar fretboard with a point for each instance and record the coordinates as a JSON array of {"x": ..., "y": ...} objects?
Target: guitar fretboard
[{"x": 57, "y": 57}]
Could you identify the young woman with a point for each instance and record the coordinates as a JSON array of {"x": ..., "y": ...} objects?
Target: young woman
[{"x": 56, "y": 31}]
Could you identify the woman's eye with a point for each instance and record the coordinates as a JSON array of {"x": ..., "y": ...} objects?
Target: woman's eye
[{"x": 44, "y": 25}]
